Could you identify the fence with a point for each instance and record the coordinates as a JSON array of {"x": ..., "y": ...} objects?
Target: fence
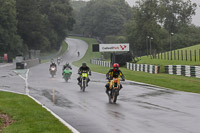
[
  {"x": 143, "y": 67},
  {"x": 100, "y": 62},
  {"x": 185, "y": 70},
  {"x": 184, "y": 55}
]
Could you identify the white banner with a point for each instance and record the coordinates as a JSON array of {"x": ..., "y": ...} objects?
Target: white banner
[{"x": 113, "y": 47}]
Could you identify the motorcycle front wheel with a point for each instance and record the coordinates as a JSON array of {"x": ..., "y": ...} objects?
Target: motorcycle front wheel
[
  {"x": 113, "y": 96},
  {"x": 84, "y": 85}
]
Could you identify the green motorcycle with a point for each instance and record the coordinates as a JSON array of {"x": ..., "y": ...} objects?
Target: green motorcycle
[{"x": 67, "y": 74}]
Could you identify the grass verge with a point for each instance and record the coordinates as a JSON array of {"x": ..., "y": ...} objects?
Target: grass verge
[
  {"x": 29, "y": 116},
  {"x": 188, "y": 84},
  {"x": 164, "y": 62}
]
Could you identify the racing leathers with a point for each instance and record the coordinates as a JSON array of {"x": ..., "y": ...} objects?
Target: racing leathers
[
  {"x": 53, "y": 65},
  {"x": 113, "y": 73},
  {"x": 80, "y": 70}
]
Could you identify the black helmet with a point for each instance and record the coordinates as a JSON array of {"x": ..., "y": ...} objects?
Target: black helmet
[
  {"x": 84, "y": 64},
  {"x": 67, "y": 64}
]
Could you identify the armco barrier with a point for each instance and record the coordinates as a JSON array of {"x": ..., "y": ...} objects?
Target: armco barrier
[
  {"x": 143, "y": 67},
  {"x": 100, "y": 63},
  {"x": 185, "y": 70}
]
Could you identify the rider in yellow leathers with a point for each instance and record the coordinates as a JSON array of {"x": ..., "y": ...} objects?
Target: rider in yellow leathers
[{"x": 115, "y": 72}]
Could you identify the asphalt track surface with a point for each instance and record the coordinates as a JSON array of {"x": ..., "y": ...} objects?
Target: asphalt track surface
[{"x": 140, "y": 108}]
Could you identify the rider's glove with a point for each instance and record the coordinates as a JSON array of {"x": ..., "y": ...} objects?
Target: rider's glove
[{"x": 123, "y": 79}]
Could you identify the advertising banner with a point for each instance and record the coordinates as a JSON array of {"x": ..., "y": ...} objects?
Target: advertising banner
[{"x": 123, "y": 47}]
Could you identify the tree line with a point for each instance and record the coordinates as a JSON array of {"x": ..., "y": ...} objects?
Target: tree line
[
  {"x": 33, "y": 24},
  {"x": 159, "y": 22}
]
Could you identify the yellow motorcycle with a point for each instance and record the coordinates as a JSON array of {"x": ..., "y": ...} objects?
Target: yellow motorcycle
[
  {"x": 114, "y": 90},
  {"x": 84, "y": 78}
]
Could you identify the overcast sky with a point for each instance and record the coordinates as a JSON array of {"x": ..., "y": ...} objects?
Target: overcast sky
[{"x": 195, "y": 19}]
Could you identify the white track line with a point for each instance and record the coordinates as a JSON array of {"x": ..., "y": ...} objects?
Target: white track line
[{"x": 54, "y": 114}]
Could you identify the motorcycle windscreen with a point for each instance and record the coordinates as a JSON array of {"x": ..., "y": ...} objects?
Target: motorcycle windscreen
[{"x": 66, "y": 71}]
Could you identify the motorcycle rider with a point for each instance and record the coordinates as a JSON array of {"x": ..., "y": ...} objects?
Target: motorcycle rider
[
  {"x": 58, "y": 60},
  {"x": 84, "y": 67},
  {"x": 67, "y": 65},
  {"x": 53, "y": 64},
  {"x": 115, "y": 72}
]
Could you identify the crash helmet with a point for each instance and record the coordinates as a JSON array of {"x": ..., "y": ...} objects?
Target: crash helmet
[
  {"x": 67, "y": 64},
  {"x": 116, "y": 66},
  {"x": 84, "y": 64}
]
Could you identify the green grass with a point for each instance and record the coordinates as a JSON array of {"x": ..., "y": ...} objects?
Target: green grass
[
  {"x": 64, "y": 48},
  {"x": 1, "y": 121},
  {"x": 177, "y": 53},
  {"x": 163, "y": 62},
  {"x": 188, "y": 84},
  {"x": 28, "y": 116}
]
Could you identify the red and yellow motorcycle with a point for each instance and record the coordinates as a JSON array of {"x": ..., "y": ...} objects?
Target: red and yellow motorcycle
[{"x": 114, "y": 90}]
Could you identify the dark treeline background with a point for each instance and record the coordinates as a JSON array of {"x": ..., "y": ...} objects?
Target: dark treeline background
[
  {"x": 43, "y": 24},
  {"x": 33, "y": 24},
  {"x": 162, "y": 21}
]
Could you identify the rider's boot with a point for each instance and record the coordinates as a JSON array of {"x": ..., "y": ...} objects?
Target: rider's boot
[
  {"x": 79, "y": 81},
  {"x": 88, "y": 80},
  {"x": 121, "y": 86},
  {"x": 107, "y": 88}
]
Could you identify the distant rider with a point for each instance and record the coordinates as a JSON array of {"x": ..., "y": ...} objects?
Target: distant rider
[
  {"x": 58, "y": 60},
  {"x": 115, "y": 72},
  {"x": 84, "y": 67},
  {"x": 78, "y": 53}
]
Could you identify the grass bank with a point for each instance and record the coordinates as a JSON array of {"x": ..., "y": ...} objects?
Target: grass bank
[
  {"x": 164, "y": 62},
  {"x": 28, "y": 116},
  {"x": 188, "y": 84}
]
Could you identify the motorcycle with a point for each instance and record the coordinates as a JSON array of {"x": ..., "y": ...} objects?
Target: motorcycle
[
  {"x": 67, "y": 74},
  {"x": 83, "y": 79},
  {"x": 58, "y": 61},
  {"x": 52, "y": 71},
  {"x": 114, "y": 90}
]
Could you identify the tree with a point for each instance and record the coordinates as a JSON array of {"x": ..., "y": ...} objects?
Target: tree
[
  {"x": 176, "y": 13},
  {"x": 156, "y": 19},
  {"x": 59, "y": 19},
  {"x": 10, "y": 42},
  {"x": 145, "y": 24},
  {"x": 103, "y": 17},
  {"x": 30, "y": 24}
]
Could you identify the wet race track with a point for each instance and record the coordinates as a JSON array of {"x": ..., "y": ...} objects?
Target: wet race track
[{"x": 140, "y": 108}]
